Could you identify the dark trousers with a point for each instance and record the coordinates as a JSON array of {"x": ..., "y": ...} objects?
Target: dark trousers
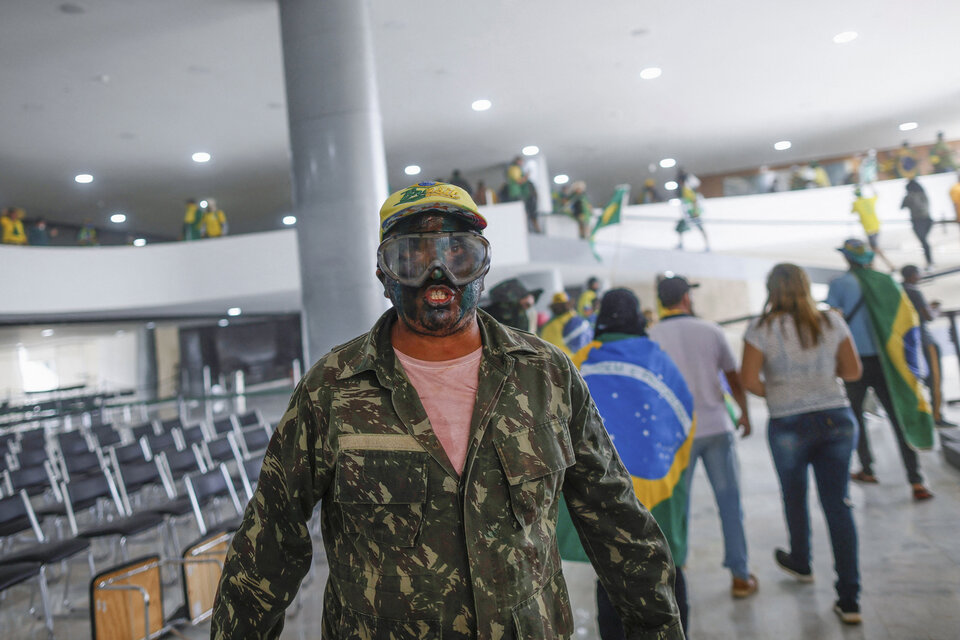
[
  {"x": 921, "y": 227},
  {"x": 822, "y": 440},
  {"x": 609, "y": 620},
  {"x": 873, "y": 379}
]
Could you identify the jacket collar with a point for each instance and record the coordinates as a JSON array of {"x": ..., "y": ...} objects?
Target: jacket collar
[{"x": 374, "y": 351}]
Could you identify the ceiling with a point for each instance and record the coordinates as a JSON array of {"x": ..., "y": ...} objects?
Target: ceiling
[{"x": 127, "y": 90}]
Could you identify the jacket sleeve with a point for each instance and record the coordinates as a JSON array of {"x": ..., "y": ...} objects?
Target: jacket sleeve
[
  {"x": 623, "y": 541},
  {"x": 271, "y": 552}
]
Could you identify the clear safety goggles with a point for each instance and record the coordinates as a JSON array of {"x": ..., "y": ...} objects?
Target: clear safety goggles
[{"x": 411, "y": 259}]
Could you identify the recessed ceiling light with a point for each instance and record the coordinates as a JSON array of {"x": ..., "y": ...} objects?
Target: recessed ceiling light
[
  {"x": 233, "y": 311},
  {"x": 223, "y": 322},
  {"x": 561, "y": 179},
  {"x": 203, "y": 204},
  {"x": 46, "y": 333},
  {"x": 140, "y": 242},
  {"x": 201, "y": 156},
  {"x": 412, "y": 170},
  {"x": 845, "y": 36},
  {"x": 651, "y": 73},
  {"x": 530, "y": 150},
  {"x": 118, "y": 218},
  {"x": 481, "y": 105},
  {"x": 667, "y": 163},
  {"x": 671, "y": 185},
  {"x": 83, "y": 178},
  {"x": 783, "y": 145},
  {"x": 908, "y": 126},
  {"x": 289, "y": 220}
]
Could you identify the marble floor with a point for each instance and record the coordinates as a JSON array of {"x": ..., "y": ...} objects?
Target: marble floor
[{"x": 909, "y": 556}]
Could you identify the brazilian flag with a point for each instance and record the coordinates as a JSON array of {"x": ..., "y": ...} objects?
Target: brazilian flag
[
  {"x": 648, "y": 412},
  {"x": 611, "y": 213},
  {"x": 896, "y": 330}
]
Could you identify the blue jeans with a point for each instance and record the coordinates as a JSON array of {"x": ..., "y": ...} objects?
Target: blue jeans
[
  {"x": 720, "y": 461},
  {"x": 824, "y": 440}
]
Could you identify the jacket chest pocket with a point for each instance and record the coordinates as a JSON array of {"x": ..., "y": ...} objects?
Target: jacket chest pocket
[
  {"x": 381, "y": 494},
  {"x": 531, "y": 459}
]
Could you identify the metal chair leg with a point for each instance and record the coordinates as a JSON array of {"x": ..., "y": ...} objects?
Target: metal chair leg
[{"x": 45, "y": 597}]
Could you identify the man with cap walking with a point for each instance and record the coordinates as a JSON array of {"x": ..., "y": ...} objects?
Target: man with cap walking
[
  {"x": 846, "y": 295},
  {"x": 701, "y": 352},
  {"x": 512, "y": 304},
  {"x": 566, "y": 329},
  {"x": 437, "y": 446}
]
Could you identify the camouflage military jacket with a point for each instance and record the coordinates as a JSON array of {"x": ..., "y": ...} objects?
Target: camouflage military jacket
[{"x": 416, "y": 551}]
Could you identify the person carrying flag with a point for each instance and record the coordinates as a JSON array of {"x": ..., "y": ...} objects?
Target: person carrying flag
[
  {"x": 647, "y": 408},
  {"x": 880, "y": 314}
]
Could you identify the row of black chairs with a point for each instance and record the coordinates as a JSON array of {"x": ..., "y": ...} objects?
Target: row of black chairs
[{"x": 124, "y": 490}]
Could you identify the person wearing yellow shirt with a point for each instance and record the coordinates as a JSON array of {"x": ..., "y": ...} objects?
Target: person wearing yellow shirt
[
  {"x": 214, "y": 221},
  {"x": 12, "y": 226},
  {"x": 566, "y": 329},
  {"x": 192, "y": 221},
  {"x": 866, "y": 208},
  {"x": 955, "y": 196}
]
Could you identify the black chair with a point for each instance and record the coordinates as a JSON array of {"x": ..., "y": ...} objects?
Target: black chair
[
  {"x": 253, "y": 440},
  {"x": 86, "y": 493},
  {"x": 16, "y": 515},
  {"x": 209, "y": 486},
  {"x": 33, "y": 456},
  {"x": 13, "y": 574},
  {"x": 33, "y": 439},
  {"x": 72, "y": 442},
  {"x": 80, "y": 465},
  {"x": 179, "y": 463},
  {"x": 223, "y": 425},
  {"x": 35, "y": 480},
  {"x": 163, "y": 442},
  {"x": 144, "y": 429},
  {"x": 221, "y": 449},
  {"x": 250, "y": 474},
  {"x": 133, "y": 452},
  {"x": 249, "y": 419},
  {"x": 189, "y": 435},
  {"x": 106, "y": 436},
  {"x": 171, "y": 424}
]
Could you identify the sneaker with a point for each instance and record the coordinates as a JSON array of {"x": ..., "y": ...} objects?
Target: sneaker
[
  {"x": 791, "y": 566},
  {"x": 743, "y": 587},
  {"x": 848, "y": 613}
]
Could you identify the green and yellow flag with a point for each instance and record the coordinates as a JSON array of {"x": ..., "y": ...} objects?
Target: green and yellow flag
[
  {"x": 896, "y": 330},
  {"x": 611, "y": 213}
]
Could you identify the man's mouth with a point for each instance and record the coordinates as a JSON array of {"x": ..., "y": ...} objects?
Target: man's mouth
[{"x": 438, "y": 295}]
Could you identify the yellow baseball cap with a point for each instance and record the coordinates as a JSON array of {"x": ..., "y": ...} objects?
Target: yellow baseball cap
[
  {"x": 560, "y": 297},
  {"x": 429, "y": 196}
]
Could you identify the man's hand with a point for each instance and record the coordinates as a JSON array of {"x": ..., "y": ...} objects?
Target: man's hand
[{"x": 744, "y": 425}]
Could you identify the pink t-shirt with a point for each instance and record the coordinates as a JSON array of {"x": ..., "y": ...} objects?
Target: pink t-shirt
[{"x": 447, "y": 390}]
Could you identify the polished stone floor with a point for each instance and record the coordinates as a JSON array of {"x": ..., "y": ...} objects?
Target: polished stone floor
[{"x": 909, "y": 555}]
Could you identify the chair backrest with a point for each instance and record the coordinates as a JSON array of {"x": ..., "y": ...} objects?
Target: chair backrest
[
  {"x": 34, "y": 439},
  {"x": 140, "y": 430},
  {"x": 85, "y": 492},
  {"x": 132, "y": 452},
  {"x": 223, "y": 425},
  {"x": 250, "y": 470},
  {"x": 222, "y": 448},
  {"x": 179, "y": 463},
  {"x": 203, "y": 487},
  {"x": 255, "y": 439},
  {"x": 33, "y": 479},
  {"x": 170, "y": 424},
  {"x": 163, "y": 442},
  {"x": 106, "y": 435},
  {"x": 249, "y": 419},
  {"x": 79, "y": 464},
  {"x": 202, "y": 565},
  {"x": 32, "y": 456},
  {"x": 17, "y": 515},
  {"x": 192, "y": 434},
  {"x": 72, "y": 442},
  {"x": 126, "y": 601}
]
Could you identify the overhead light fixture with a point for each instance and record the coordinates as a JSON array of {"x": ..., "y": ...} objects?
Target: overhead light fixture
[
  {"x": 783, "y": 145},
  {"x": 46, "y": 333},
  {"x": 233, "y": 311},
  {"x": 140, "y": 242},
  {"x": 561, "y": 179},
  {"x": 668, "y": 163},
  {"x": 83, "y": 178},
  {"x": 412, "y": 170},
  {"x": 908, "y": 126},
  {"x": 289, "y": 220},
  {"x": 651, "y": 73},
  {"x": 671, "y": 185},
  {"x": 203, "y": 204},
  {"x": 845, "y": 36},
  {"x": 118, "y": 218},
  {"x": 481, "y": 105},
  {"x": 530, "y": 150},
  {"x": 201, "y": 156},
  {"x": 223, "y": 322}
]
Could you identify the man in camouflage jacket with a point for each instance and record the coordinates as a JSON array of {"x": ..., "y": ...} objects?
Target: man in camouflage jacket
[{"x": 415, "y": 549}]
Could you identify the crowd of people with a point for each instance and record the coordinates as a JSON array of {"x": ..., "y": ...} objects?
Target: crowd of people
[{"x": 203, "y": 220}]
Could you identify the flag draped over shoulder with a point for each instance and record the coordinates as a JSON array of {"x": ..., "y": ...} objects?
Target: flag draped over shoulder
[
  {"x": 611, "y": 213},
  {"x": 897, "y": 333},
  {"x": 648, "y": 411}
]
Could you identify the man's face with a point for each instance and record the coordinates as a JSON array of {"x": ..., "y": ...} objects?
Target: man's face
[
  {"x": 437, "y": 307},
  {"x": 526, "y": 301}
]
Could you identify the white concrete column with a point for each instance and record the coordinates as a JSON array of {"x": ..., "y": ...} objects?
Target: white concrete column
[{"x": 339, "y": 166}]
